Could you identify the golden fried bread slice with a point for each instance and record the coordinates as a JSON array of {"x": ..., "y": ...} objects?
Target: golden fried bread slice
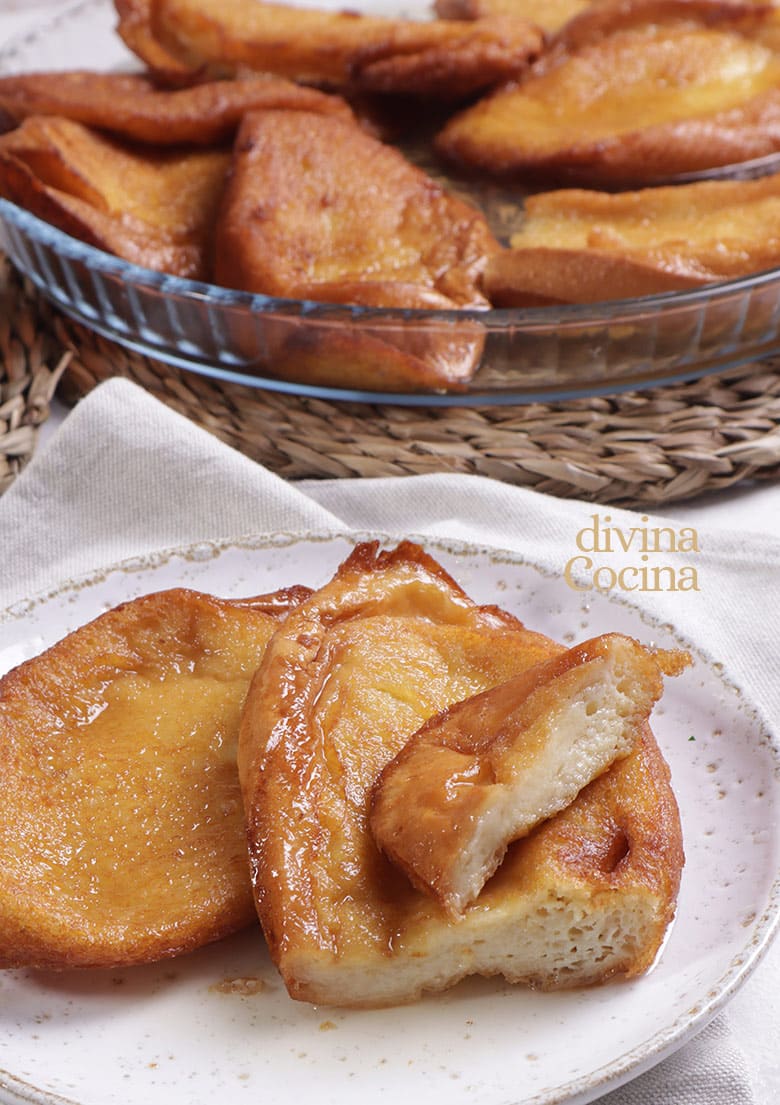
[
  {"x": 318, "y": 209},
  {"x": 380, "y": 357},
  {"x": 541, "y": 276},
  {"x": 121, "y": 827},
  {"x": 485, "y": 772},
  {"x": 152, "y": 207},
  {"x": 131, "y": 105},
  {"x": 577, "y": 246},
  {"x": 346, "y": 681},
  {"x": 547, "y": 14},
  {"x": 438, "y": 58},
  {"x": 135, "y": 29},
  {"x": 637, "y": 105},
  {"x": 451, "y": 66}
]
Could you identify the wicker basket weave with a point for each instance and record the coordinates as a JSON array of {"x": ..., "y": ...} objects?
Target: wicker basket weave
[{"x": 637, "y": 449}]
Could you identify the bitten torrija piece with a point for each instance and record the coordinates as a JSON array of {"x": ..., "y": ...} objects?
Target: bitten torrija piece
[
  {"x": 486, "y": 771},
  {"x": 352, "y": 674}
]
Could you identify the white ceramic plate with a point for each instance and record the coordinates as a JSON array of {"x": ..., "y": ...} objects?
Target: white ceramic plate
[{"x": 218, "y": 1026}]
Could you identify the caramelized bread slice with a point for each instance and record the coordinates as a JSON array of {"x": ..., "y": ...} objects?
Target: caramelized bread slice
[
  {"x": 337, "y": 49},
  {"x": 317, "y": 209},
  {"x": 541, "y": 276},
  {"x": 439, "y": 64},
  {"x": 486, "y": 771},
  {"x": 373, "y": 356},
  {"x": 131, "y": 105},
  {"x": 152, "y": 207},
  {"x": 135, "y": 29},
  {"x": 637, "y": 104},
  {"x": 348, "y": 678},
  {"x": 576, "y": 246},
  {"x": 121, "y": 828}
]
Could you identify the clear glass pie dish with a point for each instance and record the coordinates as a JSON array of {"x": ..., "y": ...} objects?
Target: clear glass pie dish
[{"x": 522, "y": 354}]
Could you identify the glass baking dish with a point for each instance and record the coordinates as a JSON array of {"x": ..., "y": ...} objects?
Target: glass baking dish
[{"x": 524, "y": 354}]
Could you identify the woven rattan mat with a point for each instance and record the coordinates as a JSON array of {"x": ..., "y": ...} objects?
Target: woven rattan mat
[{"x": 637, "y": 449}]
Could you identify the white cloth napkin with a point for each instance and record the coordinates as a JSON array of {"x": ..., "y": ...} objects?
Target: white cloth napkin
[{"x": 124, "y": 476}]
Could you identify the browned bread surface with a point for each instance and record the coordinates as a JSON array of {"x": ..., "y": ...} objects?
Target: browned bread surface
[
  {"x": 151, "y": 206},
  {"x": 547, "y": 14},
  {"x": 435, "y": 58},
  {"x": 121, "y": 827},
  {"x": 578, "y": 246},
  {"x": 486, "y": 771},
  {"x": 605, "y": 17},
  {"x": 317, "y": 209},
  {"x": 633, "y": 101},
  {"x": 351, "y": 675},
  {"x": 134, "y": 27},
  {"x": 133, "y": 106}
]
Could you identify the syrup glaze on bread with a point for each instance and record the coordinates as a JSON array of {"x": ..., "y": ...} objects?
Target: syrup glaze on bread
[
  {"x": 153, "y": 207},
  {"x": 317, "y": 209},
  {"x": 578, "y": 246},
  {"x": 349, "y": 677},
  {"x": 624, "y": 97},
  {"x": 121, "y": 827},
  {"x": 435, "y": 58},
  {"x": 487, "y": 771}
]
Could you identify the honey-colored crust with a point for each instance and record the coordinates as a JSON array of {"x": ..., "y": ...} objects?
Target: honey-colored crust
[
  {"x": 134, "y": 27},
  {"x": 154, "y": 208},
  {"x": 605, "y": 17},
  {"x": 350, "y": 676},
  {"x": 338, "y": 49},
  {"x": 121, "y": 826},
  {"x": 579, "y": 246},
  {"x": 391, "y": 234},
  {"x": 633, "y": 101},
  {"x": 390, "y": 359},
  {"x": 317, "y": 209},
  {"x": 541, "y": 276},
  {"x": 132, "y": 105},
  {"x": 484, "y": 772},
  {"x": 476, "y": 57}
]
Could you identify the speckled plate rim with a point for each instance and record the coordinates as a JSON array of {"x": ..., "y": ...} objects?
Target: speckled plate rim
[{"x": 623, "y": 1068}]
